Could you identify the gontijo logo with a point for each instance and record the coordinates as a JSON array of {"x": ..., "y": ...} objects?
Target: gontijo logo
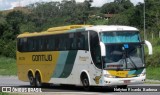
[{"x": 42, "y": 57}]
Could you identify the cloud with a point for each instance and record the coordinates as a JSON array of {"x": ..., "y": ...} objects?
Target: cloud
[
  {"x": 6, "y": 4},
  {"x": 136, "y": 1},
  {"x": 9, "y": 4},
  {"x": 14, "y": 4},
  {"x": 99, "y": 3}
]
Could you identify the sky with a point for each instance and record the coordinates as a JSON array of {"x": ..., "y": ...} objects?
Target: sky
[{"x": 10, "y": 4}]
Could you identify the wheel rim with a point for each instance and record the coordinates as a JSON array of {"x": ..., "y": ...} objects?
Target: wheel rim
[
  {"x": 38, "y": 81},
  {"x": 85, "y": 82},
  {"x": 31, "y": 80}
]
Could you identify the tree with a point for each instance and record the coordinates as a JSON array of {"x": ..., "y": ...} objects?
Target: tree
[
  {"x": 153, "y": 15},
  {"x": 116, "y": 7},
  {"x": 3, "y": 25},
  {"x": 136, "y": 18},
  {"x": 14, "y": 19}
]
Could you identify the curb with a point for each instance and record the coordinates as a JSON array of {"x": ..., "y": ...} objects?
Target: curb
[{"x": 152, "y": 81}]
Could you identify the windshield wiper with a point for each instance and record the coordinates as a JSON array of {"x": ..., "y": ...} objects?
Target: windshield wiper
[
  {"x": 125, "y": 56},
  {"x": 132, "y": 63}
]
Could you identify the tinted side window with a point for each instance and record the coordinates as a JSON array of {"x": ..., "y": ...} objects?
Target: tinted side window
[
  {"x": 74, "y": 42},
  {"x": 57, "y": 40},
  {"x": 19, "y": 44},
  {"x": 95, "y": 49},
  {"x": 85, "y": 42},
  {"x": 34, "y": 44},
  {"x": 62, "y": 42},
  {"x": 81, "y": 40},
  {"x": 51, "y": 43},
  {"x": 30, "y": 44},
  {"x": 22, "y": 43},
  {"x": 70, "y": 41}
]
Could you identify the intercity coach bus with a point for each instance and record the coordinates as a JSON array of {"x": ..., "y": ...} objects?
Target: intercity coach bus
[{"x": 83, "y": 55}]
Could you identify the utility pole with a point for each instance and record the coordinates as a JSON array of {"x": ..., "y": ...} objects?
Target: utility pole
[
  {"x": 144, "y": 20},
  {"x": 19, "y": 3}
]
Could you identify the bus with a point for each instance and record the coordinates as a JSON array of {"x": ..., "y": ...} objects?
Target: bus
[{"x": 82, "y": 55}]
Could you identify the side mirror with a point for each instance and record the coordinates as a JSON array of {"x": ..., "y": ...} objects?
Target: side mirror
[
  {"x": 103, "y": 49},
  {"x": 149, "y": 45}
]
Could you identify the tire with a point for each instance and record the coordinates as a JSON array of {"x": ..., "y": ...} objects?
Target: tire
[
  {"x": 38, "y": 80},
  {"x": 85, "y": 82},
  {"x": 31, "y": 79}
]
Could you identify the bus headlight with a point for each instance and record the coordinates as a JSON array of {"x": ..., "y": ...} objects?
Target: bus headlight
[
  {"x": 142, "y": 74},
  {"x": 109, "y": 76}
]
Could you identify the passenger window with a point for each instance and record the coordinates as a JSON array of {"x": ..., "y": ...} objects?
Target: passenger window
[
  {"x": 85, "y": 40},
  {"x": 80, "y": 41},
  {"x": 74, "y": 42},
  {"x": 30, "y": 44},
  {"x": 42, "y": 44},
  {"x": 62, "y": 44},
  {"x": 51, "y": 43},
  {"x": 35, "y": 44},
  {"x": 20, "y": 44},
  {"x": 57, "y": 43}
]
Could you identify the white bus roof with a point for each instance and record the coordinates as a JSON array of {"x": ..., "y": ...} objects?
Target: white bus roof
[
  {"x": 71, "y": 28},
  {"x": 100, "y": 28}
]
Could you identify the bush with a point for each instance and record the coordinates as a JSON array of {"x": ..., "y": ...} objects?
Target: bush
[
  {"x": 153, "y": 60},
  {"x": 9, "y": 49},
  {"x": 2, "y": 44}
]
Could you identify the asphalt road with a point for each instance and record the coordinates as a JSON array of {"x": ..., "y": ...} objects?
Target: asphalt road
[{"x": 12, "y": 81}]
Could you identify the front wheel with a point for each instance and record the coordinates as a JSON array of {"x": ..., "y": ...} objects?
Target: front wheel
[{"x": 85, "y": 82}]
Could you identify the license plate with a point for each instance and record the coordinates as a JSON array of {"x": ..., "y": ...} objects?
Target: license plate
[{"x": 127, "y": 81}]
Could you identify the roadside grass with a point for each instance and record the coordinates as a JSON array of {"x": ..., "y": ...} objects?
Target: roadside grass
[
  {"x": 8, "y": 66},
  {"x": 153, "y": 73},
  {"x": 2, "y": 93}
]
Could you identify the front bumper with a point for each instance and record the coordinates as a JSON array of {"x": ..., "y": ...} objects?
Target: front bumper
[{"x": 123, "y": 81}]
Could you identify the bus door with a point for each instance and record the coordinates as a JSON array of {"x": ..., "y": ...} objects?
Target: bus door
[{"x": 95, "y": 54}]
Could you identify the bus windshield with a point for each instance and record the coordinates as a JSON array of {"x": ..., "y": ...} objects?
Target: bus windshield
[
  {"x": 123, "y": 50},
  {"x": 120, "y": 37}
]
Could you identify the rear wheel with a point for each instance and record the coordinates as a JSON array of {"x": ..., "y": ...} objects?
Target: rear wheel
[
  {"x": 38, "y": 80},
  {"x": 31, "y": 79}
]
